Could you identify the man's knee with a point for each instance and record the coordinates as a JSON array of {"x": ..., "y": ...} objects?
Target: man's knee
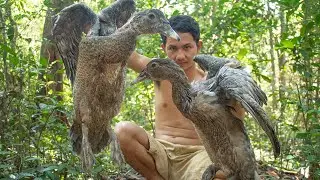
[
  {"x": 129, "y": 133},
  {"x": 124, "y": 129}
]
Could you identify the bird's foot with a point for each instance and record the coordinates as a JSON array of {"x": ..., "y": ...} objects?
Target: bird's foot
[
  {"x": 116, "y": 153},
  {"x": 209, "y": 173},
  {"x": 87, "y": 156}
]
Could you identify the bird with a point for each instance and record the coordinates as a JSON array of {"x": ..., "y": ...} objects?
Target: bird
[
  {"x": 232, "y": 81},
  {"x": 99, "y": 83},
  {"x": 222, "y": 134},
  {"x": 73, "y": 21},
  {"x": 212, "y": 64}
]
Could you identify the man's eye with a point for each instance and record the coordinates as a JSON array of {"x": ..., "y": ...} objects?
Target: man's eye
[{"x": 172, "y": 48}]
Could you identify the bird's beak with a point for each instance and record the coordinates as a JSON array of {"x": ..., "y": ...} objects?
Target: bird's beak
[
  {"x": 142, "y": 76},
  {"x": 169, "y": 32}
]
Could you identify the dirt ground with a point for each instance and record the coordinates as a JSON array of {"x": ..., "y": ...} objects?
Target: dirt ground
[{"x": 266, "y": 172}]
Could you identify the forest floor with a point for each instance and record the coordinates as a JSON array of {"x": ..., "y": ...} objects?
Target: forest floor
[{"x": 266, "y": 172}]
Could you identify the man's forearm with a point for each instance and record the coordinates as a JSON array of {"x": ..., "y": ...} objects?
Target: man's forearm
[{"x": 137, "y": 62}]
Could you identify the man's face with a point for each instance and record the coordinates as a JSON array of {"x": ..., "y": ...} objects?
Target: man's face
[{"x": 183, "y": 51}]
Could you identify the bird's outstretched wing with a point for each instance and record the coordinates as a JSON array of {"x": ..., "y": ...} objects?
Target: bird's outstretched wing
[
  {"x": 234, "y": 82},
  {"x": 67, "y": 30},
  {"x": 115, "y": 16},
  {"x": 212, "y": 64},
  {"x": 74, "y": 20}
]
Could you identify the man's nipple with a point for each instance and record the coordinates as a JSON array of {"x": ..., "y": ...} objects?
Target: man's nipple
[{"x": 164, "y": 105}]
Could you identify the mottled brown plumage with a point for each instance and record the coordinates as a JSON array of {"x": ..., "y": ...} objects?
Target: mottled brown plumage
[
  {"x": 232, "y": 81},
  {"x": 223, "y": 135},
  {"x": 72, "y": 21},
  {"x": 99, "y": 84}
]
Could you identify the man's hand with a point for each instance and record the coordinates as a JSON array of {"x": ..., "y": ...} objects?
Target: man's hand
[
  {"x": 220, "y": 176},
  {"x": 208, "y": 174},
  {"x": 237, "y": 110}
]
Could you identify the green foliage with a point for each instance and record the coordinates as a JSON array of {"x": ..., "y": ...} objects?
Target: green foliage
[{"x": 34, "y": 142}]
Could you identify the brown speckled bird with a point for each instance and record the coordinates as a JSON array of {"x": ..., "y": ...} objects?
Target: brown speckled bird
[
  {"x": 232, "y": 81},
  {"x": 223, "y": 135},
  {"x": 72, "y": 21},
  {"x": 99, "y": 84}
]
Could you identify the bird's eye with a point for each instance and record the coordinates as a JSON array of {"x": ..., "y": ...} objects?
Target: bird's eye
[{"x": 151, "y": 16}]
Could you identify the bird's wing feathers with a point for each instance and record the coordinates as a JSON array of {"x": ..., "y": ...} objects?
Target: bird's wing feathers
[
  {"x": 238, "y": 84},
  {"x": 67, "y": 30},
  {"x": 212, "y": 64},
  {"x": 242, "y": 82},
  {"x": 262, "y": 118}
]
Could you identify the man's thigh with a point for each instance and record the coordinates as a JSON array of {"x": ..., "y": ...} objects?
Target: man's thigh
[
  {"x": 192, "y": 167},
  {"x": 159, "y": 154}
]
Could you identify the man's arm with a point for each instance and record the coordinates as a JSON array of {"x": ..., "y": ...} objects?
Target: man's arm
[{"x": 137, "y": 62}]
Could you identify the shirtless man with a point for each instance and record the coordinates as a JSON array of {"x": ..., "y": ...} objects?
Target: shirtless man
[{"x": 176, "y": 152}]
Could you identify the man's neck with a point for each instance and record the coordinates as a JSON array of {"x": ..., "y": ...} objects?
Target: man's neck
[{"x": 193, "y": 73}]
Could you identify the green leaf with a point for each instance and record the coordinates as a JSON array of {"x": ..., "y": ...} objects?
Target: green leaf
[
  {"x": 175, "y": 13},
  {"x": 302, "y": 135},
  {"x": 309, "y": 26},
  {"x": 32, "y": 159},
  {"x": 242, "y": 52},
  {"x": 1, "y": 77},
  {"x": 10, "y": 33},
  {"x": 287, "y": 44},
  {"x": 289, "y": 157},
  {"x": 311, "y": 158},
  {"x": 317, "y": 19},
  {"x": 6, "y": 166},
  {"x": 44, "y": 61},
  {"x": 7, "y": 49},
  {"x": 266, "y": 78},
  {"x": 49, "y": 168},
  {"x": 21, "y": 175},
  {"x": 14, "y": 60},
  {"x": 47, "y": 3},
  {"x": 50, "y": 175},
  {"x": 5, "y": 152},
  {"x": 293, "y": 127}
]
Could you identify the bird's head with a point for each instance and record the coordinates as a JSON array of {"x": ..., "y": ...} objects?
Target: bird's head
[
  {"x": 161, "y": 69},
  {"x": 206, "y": 61},
  {"x": 152, "y": 21},
  {"x": 213, "y": 64}
]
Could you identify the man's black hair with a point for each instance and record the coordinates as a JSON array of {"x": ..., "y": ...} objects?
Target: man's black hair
[{"x": 184, "y": 24}]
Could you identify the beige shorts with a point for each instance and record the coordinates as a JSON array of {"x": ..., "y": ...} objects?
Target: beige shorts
[{"x": 178, "y": 162}]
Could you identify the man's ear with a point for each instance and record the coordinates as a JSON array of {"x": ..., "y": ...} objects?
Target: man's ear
[
  {"x": 199, "y": 45},
  {"x": 163, "y": 46}
]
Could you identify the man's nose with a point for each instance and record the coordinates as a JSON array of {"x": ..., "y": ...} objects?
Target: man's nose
[{"x": 180, "y": 55}]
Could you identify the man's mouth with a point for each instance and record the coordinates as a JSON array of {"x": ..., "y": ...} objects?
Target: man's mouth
[{"x": 181, "y": 63}]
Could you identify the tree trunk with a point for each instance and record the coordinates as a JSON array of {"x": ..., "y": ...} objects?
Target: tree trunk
[
  {"x": 281, "y": 63},
  {"x": 3, "y": 94},
  {"x": 273, "y": 66}
]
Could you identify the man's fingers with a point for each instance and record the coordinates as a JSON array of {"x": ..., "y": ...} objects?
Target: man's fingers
[{"x": 220, "y": 175}]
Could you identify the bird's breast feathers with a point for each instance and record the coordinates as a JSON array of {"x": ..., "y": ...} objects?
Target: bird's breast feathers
[{"x": 111, "y": 72}]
